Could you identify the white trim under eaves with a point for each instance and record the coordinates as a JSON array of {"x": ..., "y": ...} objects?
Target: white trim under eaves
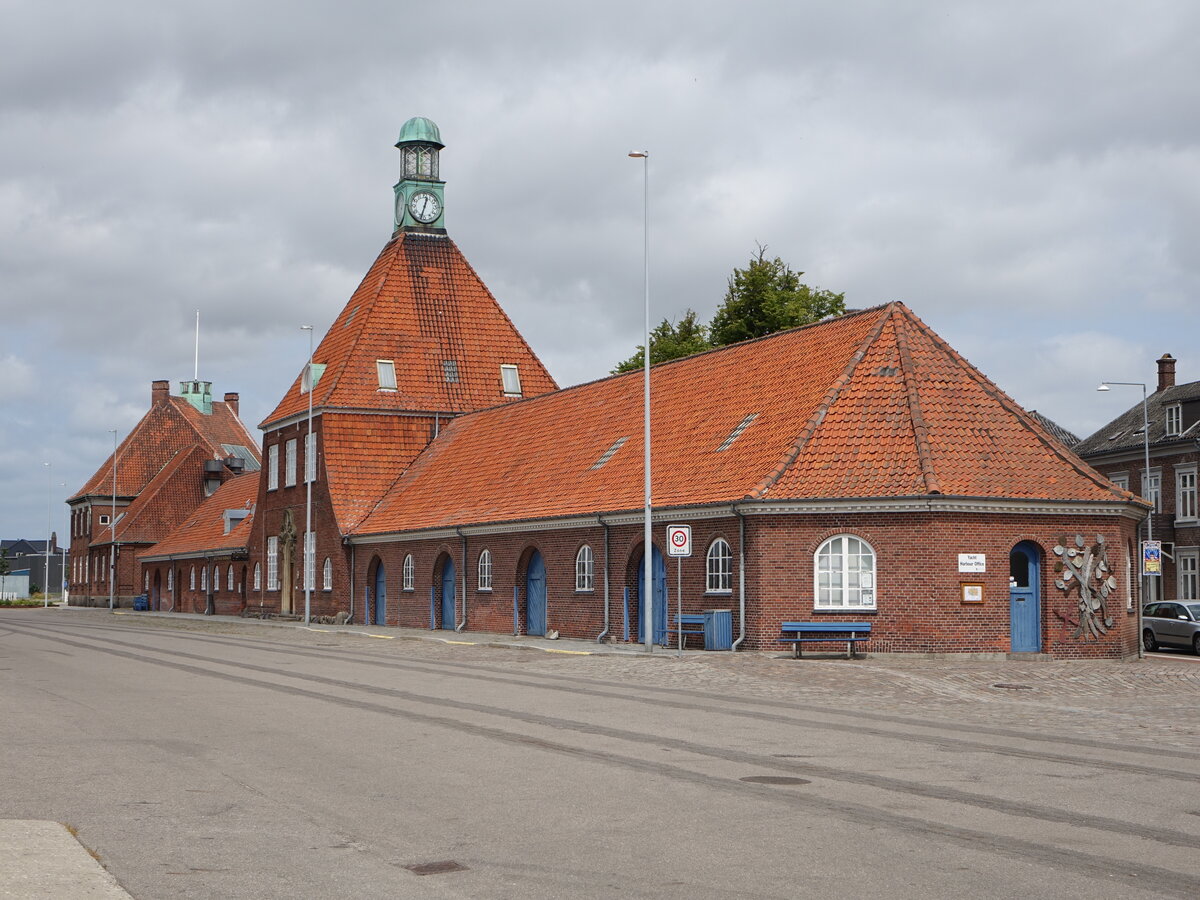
[
  {"x": 939, "y": 504},
  {"x": 268, "y": 427},
  {"x": 195, "y": 554}
]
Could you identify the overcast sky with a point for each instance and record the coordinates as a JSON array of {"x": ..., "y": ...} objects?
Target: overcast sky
[{"x": 1025, "y": 176}]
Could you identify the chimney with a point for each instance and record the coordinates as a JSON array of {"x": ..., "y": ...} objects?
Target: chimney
[
  {"x": 231, "y": 400},
  {"x": 160, "y": 392},
  {"x": 1166, "y": 371}
]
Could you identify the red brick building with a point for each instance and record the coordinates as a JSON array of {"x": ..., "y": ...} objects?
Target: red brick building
[{"x": 180, "y": 452}]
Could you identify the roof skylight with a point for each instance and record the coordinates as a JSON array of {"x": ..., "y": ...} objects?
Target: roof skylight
[
  {"x": 608, "y": 454},
  {"x": 733, "y": 435}
]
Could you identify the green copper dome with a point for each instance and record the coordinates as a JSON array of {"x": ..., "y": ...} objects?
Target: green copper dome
[{"x": 418, "y": 128}]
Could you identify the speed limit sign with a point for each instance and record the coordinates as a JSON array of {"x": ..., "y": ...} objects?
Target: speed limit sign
[{"x": 679, "y": 540}]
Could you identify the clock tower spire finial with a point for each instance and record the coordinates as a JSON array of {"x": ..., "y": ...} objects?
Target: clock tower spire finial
[{"x": 419, "y": 192}]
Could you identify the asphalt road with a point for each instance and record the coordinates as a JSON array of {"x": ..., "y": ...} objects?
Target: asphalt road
[{"x": 217, "y": 759}]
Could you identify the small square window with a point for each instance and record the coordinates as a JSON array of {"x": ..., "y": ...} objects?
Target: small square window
[
  {"x": 510, "y": 379},
  {"x": 387, "y": 374}
]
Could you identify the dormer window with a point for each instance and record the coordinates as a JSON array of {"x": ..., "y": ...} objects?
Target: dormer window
[
  {"x": 1174, "y": 419},
  {"x": 387, "y": 374},
  {"x": 510, "y": 381}
]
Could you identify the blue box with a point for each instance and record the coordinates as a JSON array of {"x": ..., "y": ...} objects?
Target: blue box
[{"x": 718, "y": 629}]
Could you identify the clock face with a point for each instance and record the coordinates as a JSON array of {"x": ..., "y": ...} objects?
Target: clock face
[{"x": 425, "y": 207}]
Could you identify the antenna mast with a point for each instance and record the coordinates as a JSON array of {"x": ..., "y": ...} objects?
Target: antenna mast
[{"x": 196, "y": 364}]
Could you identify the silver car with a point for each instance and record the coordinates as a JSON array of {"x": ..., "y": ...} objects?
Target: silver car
[{"x": 1171, "y": 624}]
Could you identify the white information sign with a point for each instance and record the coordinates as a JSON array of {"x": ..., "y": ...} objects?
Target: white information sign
[
  {"x": 972, "y": 562},
  {"x": 679, "y": 540}
]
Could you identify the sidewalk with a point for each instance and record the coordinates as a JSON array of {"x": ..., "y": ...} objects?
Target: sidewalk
[{"x": 43, "y": 859}]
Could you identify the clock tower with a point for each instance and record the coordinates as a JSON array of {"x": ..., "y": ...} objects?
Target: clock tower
[{"x": 419, "y": 197}]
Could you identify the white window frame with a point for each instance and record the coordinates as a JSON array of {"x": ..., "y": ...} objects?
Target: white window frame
[
  {"x": 204, "y": 579},
  {"x": 485, "y": 570},
  {"x": 1174, "y": 419},
  {"x": 327, "y": 575},
  {"x": 103, "y": 518},
  {"x": 1120, "y": 479},
  {"x": 1152, "y": 487},
  {"x": 1187, "y": 573},
  {"x": 229, "y": 579},
  {"x": 273, "y": 467},
  {"x": 718, "y": 568},
  {"x": 289, "y": 463},
  {"x": 834, "y": 559},
  {"x": 385, "y": 369},
  {"x": 585, "y": 569},
  {"x": 310, "y": 457},
  {"x": 216, "y": 579},
  {"x": 192, "y": 579},
  {"x": 310, "y": 560},
  {"x": 273, "y": 563},
  {"x": 146, "y": 581},
  {"x": 258, "y": 576},
  {"x": 409, "y": 572},
  {"x": 171, "y": 579},
  {"x": 510, "y": 380},
  {"x": 1186, "y": 497}
]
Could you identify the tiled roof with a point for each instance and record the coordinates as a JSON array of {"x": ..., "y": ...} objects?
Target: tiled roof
[
  {"x": 1064, "y": 437},
  {"x": 363, "y": 455},
  {"x": 159, "y": 506},
  {"x": 871, "y": 404},
  {"x": 422, "y": 306},
  {"x": 204, "y": 529},
  {"x": 164, "y": 430},
  {"x": 1124, "y": 433}
]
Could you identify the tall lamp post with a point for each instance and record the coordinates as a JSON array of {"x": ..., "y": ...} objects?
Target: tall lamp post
[
  {"x": 112, "y": 527},
  {"x": 49, "y": 529},
  {"x": 647, "y": 584},
  {"x": 310, "y": 470},
  {"x": 1145, "y": 486}
]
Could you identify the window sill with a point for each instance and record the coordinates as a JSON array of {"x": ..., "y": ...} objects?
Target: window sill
[
  {"x": 728, "y": 593},
  {"x": 585, "y": 590},
  {"x": 483, "y": 590},
  {"x": 843, "y": 610}
]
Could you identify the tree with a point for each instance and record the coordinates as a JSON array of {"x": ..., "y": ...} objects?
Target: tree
[
  {"x": 670, "y": 340},
  {"x": 765, "y": 297}
]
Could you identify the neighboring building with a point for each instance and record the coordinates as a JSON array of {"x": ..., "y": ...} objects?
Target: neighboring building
[
  {"x": 1064, "y": 437},
  {"x": 203, "y": 565},
  {"x": 28, "y": 558},
  {"x": 1118, "y": 451},
  {"x": 180, "y": 452}
]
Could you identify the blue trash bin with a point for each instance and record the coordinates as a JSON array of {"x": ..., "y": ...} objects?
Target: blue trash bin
[
  {"x": 141, "y": 603},
  {"x": 718, "y": 629}
]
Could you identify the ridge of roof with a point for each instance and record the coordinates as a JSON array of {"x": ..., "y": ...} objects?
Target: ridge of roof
[
  {"x": 818, "y": 416},
  {"x": 920, "y": 428}
]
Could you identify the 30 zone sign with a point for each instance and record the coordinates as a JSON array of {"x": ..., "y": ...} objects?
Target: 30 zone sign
[{"x": 679, "y": 540}]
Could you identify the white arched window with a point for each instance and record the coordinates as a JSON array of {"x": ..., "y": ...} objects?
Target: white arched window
[
  {"x": 204, "y": 578},
  {"x": 327, "y": 575},
  {"x": 258, "y": 576},
  {"x": 485, "y": 570},
  {"x": 409, "y": 573},
  {"x": 146, "y": 581},
  {"x": 585, "y": 569},
  {"x": 719, "y": 568},
  {"x": 192, "y": 579},
  {"x": 171, "y": 578},
  {"x": 844, "y": 574},
  {"x": 216, "y": 575},
  {"x": 229, "y": 580}
]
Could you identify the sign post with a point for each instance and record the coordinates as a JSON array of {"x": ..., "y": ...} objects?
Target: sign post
[{"x": 679, "y": 545}]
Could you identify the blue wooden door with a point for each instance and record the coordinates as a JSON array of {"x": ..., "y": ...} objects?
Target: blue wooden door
[
  {"x": 449, "y": 583},
  {"x": 658, "y": 573},
  {"x": 1024, "y": 598},
  {"x": 380, "y": 595},
  {"x": 535, "y": 595}
]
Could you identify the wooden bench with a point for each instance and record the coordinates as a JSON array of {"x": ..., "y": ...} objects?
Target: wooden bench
[
  {"x": 797, "y": 633},
  {"x": 688, "y": 623}
]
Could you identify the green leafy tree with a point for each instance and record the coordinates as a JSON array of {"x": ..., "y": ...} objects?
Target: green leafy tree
[
  {"x": 670, "y": 340},
  {"x": 3, "y": 562},
  {"x": 765, "y": 297}
]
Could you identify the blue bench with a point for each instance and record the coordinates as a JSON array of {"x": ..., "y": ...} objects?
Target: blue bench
[
  {"x": 688, "y": 623},
  {"x": 797, "y": 633}
]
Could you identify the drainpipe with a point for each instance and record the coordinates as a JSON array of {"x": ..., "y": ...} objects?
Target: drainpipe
[
  {"x": 463, "y": 624},
  {"x": 741, "y": 577},
  {"x": 351, "y": 612},
  {"x": 602, "y": 635}
]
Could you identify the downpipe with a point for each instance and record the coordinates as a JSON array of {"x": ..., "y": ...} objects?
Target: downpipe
[
  {"x": 463, "y": 624},
  {"x": 741, "y": 577},
  {"x": 602, "y": 635}
]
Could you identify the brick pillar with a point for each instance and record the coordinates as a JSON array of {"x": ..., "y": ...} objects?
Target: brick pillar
[{"x": 1166, "y": 371}]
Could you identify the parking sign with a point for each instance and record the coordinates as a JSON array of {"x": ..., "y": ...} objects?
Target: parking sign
[{"x": 679, "y": 540}]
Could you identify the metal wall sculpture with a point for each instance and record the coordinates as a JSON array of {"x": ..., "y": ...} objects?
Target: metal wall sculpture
[{"x": 1085, "y": 570}]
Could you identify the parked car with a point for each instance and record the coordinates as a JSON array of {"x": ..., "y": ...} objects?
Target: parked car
[{"x": 1172, "y": 624}]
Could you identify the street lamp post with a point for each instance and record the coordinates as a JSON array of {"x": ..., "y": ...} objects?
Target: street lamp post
[
  {"x": 1145, "y": 486},
  {"x": 49, "y": 529},
  {"x": 310, "y": 470},
  {"x": 647, "y": 584},
  {"x": 112, "y": 528}
]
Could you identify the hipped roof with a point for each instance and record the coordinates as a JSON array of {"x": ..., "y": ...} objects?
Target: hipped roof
[
  {"x": 204, "y": 530},
  {"x": 871, "y": 404}
]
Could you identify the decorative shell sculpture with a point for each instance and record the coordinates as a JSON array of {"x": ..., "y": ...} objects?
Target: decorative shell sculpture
[{"x": 1085, "y": 570}]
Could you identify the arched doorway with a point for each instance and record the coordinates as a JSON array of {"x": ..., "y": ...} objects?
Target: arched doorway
[
  {"x": 1024, "y": 598},
  {"x": 379, "y": 615},
  {"x": 658, "y": 573},
  {"x": 449, "y": 582},
  {"x": 535, "y": 595}
]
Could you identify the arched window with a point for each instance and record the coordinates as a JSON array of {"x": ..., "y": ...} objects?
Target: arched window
[
  {"x": 585, "y": 574},
  {"x": 192, "y": 579},
  {"x": 409, "y": 573},
  {"x": 485, "y": 570},
  {"x": 204, "y": 578},
  {"x": 327, "y": 575},
  {"x": 216, "y": 579},
  {"x": 171, "y": 579},
  {"x": 146, "y": 581},
  {"x": 258, "y": 576},
  {"x": 719, "y": 568},
  {"x": 845, "y": 574},
  {"x": 229, "y": 579}
]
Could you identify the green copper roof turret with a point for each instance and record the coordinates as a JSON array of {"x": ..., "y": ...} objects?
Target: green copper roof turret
[{"x": 418, "y": 128}]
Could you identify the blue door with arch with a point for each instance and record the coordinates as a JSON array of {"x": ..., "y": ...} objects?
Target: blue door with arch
[
  {"x": 380, "y": 614},
  {"x": 535, "y": 595},
  {"x": 658, "y": 574},
  {"x": 1024, "y": 598},
  {"x": 449, "y": 582}
]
